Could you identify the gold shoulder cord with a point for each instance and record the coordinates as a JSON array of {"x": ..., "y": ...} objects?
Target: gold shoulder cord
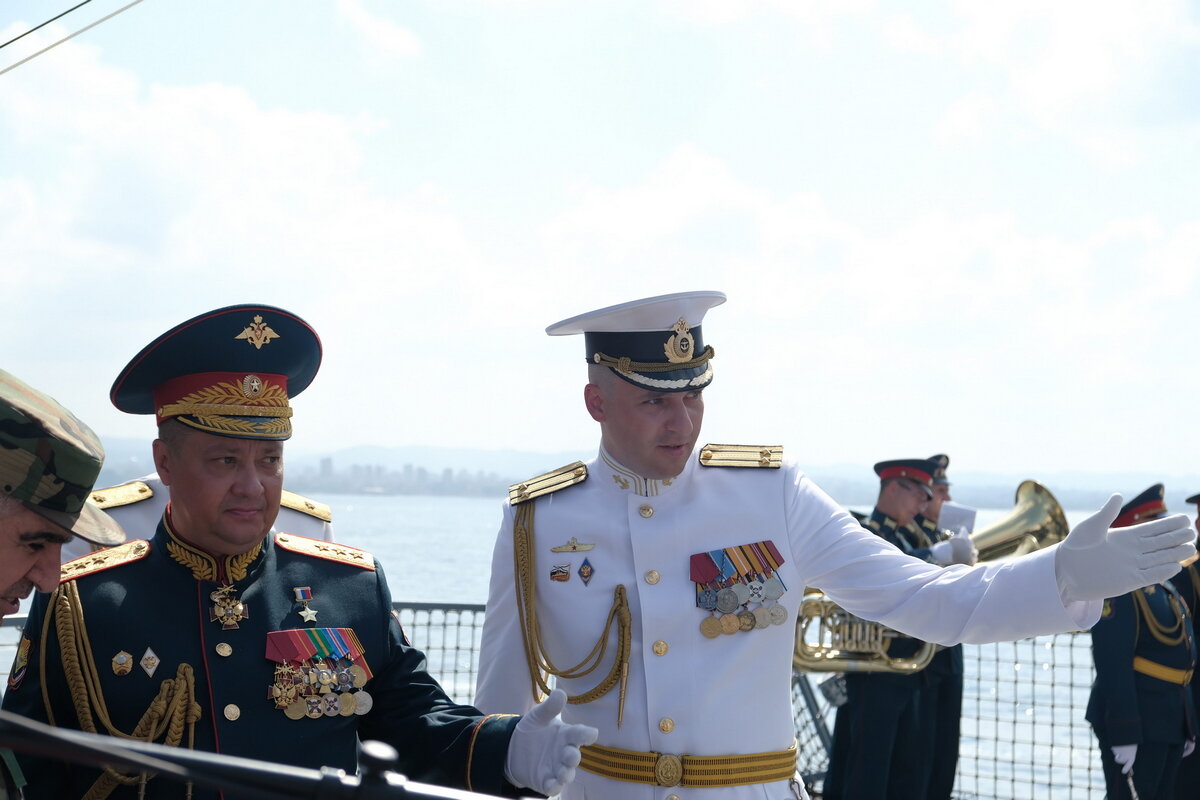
[
  {"x": 540, "y": 665},
  {"x": 1169, "y": 636},
  {"x": 173, "y": 709}
]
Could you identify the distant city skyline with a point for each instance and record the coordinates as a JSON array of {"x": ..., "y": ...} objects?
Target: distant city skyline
[{"x": 459, "y": 471}]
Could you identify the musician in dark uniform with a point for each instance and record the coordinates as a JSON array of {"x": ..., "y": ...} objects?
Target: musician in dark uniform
[
  {"x": 219, "y": 635},
  {"x": 1141, "y": 707},
  {"x": 1187, "y": 582},
  {"x": 879, "y": 724},
  {"x": 941, "y": 690}
]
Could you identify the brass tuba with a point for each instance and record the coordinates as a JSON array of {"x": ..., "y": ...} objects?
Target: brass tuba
[{"x": 830, "y": 639}]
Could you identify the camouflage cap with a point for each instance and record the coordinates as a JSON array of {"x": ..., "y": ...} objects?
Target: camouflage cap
[{"x": 49, "y": 461}]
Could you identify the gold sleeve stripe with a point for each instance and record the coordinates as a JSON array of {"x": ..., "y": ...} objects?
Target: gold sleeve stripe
[
  {"x": 297, "y": 502},
  {"x": 560, "y": 478},
  {"x": 741, "y": 455}
]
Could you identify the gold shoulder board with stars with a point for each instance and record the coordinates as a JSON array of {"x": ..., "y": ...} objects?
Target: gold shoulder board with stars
[
  {"x": 297, "y": 502},
  {"x": 105, "y": 559},
  {"x": 329, "y": 551},
  {"x": 123, "y": 495},
  {"x": 741, "y": 455},
  {"x": 560, "y": 478}
]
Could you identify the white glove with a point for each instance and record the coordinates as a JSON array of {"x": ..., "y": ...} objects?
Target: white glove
[
  {"x": 1095, "y": 562},
  {"x": 942, "y": 553},
  {"x": 1188, "y": 747},
  {"x": 1124, "y": 755},
  {"x": 964, "y": 549},
  {"x": 544, "y": 751}
]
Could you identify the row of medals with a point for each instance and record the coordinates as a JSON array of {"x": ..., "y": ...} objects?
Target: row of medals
[
  {"x": 326, "y": 687},
  {"x": 724, "y": 603}
]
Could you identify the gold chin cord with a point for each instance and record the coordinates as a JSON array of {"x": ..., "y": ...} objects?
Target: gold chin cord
[
  {"x": 540, "y": 665},
  {"x": 173, "y": 711}
]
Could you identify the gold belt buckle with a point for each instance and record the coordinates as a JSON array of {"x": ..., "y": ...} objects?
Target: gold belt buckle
[{"x": 668, "y": 770}]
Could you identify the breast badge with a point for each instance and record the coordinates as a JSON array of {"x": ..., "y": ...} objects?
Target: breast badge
[
  {"x": 740, "y": 588},
  {"x": 319, "y": 672},
  {"x": 226, "y": 608},
  {"x": 304, "y": 596}
]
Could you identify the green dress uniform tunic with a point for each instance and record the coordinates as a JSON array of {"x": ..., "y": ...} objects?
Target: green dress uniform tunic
[{"x": 289, "y": 653}]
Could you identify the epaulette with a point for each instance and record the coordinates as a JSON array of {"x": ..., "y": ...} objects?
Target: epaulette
[
  {"x": 871, "y": 524},
  {"x": 105, "y": 559},
  {"x": 560, "y": 478},
  {"x": 298, "y": 502},
  {"x": 741, "y": 455},
  {"x": 330, "y": 551},
  {"x": 122, "y": 495}
]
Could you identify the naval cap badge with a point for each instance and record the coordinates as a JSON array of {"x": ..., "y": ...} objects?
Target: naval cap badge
[{"x": 680, "y": 347}]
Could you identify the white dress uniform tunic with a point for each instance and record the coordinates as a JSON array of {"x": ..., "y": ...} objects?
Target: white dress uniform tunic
[
  {"x": 687, "y": 693},
  {"x": 138, "y": 507}
]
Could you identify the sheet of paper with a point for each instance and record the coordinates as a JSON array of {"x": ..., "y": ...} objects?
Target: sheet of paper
[{"x": 953, "y": 517}]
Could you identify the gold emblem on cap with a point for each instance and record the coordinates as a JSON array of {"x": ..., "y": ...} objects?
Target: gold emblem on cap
[
  {"x": 680, "y": 347},
  {"x": 258, "y": 333},
  {"x": 252, "y": 386}
]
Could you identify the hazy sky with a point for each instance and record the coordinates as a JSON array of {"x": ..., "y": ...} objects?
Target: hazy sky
[{"x": 962, "y": 227}]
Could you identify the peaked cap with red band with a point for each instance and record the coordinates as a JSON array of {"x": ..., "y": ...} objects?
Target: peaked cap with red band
[
  {"x": 1147, "y": 505},
  {"x": 918, "y": 470},
  {"x": 229, "y": 372}
]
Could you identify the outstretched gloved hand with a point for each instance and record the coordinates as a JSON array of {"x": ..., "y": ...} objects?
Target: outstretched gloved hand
[
  {"x": 544, "y": 750},
  {"x": 1124, "y": 755},
  {"x": 963, "y": 549},
  {"x": 1095, "y": 562}
]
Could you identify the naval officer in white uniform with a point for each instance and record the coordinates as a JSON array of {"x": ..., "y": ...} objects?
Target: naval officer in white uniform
[
  {"x": 138, "y": 505},
  {"x": 658, "y": 584}
]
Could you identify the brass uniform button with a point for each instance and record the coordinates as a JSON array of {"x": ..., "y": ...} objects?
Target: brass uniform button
[
  {"x": 660, "y": 648},
  {"x": 223, "y": 649},
  {"x": 666, "y": 724},
  {"x": 646, "y": 510},
  {"x": 232, "y": 712},
  {"x": 652, "y": 577}
]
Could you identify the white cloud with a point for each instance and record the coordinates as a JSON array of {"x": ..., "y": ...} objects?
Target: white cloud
[{"x": 386, "y": 38}]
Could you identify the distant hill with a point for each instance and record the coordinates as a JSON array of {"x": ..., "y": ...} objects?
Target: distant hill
[{"x": 492, "y": 470}]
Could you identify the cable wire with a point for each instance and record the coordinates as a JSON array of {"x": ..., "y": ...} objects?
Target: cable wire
[
  {"x": 72, "y": 36},
  {"x": 44, "y": 24}
]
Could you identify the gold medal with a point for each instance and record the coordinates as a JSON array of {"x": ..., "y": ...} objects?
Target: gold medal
[
  {"x": 745, "y": 620},
  {"x": 710, "y": 627},
  {"x": 730, "y": 624},
  {"x": 295, "y": 710},
  {"x": 359, "y": 675},
  {"x": 347, "y": 705}
]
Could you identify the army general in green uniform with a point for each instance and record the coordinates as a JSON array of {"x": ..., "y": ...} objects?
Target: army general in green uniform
[{"x": 218, "y": 635}]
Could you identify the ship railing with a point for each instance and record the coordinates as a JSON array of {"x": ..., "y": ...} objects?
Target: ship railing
[{"x": 1023, "y": 731}]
